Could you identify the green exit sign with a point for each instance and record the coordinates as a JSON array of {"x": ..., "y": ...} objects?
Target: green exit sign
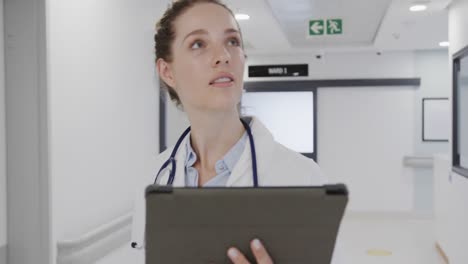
[{"x": 319, "y": 27}]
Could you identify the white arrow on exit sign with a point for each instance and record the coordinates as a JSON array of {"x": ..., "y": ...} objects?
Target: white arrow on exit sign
[{"x": 316, "y": 27}]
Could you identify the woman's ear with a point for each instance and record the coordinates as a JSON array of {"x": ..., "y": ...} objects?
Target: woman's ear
[{"x": 165, "y": 72}]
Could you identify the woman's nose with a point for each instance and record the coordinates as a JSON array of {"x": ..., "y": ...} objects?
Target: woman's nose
[
  {"x": 221, "y": 61},
  {"x": 222, "y": 56}
]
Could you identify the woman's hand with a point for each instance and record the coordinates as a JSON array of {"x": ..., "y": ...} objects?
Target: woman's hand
[{"x": 259, "y": 251}]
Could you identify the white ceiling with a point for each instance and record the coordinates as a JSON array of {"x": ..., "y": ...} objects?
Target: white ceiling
[
  {"x": 281, "y": 26},
  {"x": 358, "y": 30}
]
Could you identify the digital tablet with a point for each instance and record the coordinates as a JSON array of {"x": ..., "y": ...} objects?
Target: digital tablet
[{"x": 198, "y": 225}]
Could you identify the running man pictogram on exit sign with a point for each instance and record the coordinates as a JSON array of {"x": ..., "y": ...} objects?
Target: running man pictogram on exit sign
[{"x": 334, "y": 26}]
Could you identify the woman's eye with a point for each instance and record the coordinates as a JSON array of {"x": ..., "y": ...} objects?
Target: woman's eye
[
  {"x": 197, "y": 44},
  {"x": 234, "y": 42}
]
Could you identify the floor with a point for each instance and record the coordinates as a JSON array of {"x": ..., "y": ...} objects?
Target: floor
[
  {"x": 365, "y": 239},
  {"x": 384, "y": 239}
]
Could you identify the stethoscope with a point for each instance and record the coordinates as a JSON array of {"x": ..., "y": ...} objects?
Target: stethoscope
[{"x": 172, "y": 160}]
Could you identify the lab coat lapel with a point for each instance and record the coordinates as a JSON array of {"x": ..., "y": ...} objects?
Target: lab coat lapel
[
  {"x": 181, "y": 154},
  {"x": 242, "y": 174}
]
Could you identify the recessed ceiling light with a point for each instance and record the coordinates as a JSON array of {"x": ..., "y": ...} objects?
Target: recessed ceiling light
[
  {"x": 418, "y": 8},
  {"x": 444, "y": 44},
  {"x": 242, "y": 17}
]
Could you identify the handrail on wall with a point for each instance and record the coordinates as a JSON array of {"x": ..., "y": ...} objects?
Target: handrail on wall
[
  {"x": 418, "y": 161},
  {"x": 96, "y": 243}
]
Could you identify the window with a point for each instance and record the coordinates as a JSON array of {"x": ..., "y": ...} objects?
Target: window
[{"x": 460, "y": 112}]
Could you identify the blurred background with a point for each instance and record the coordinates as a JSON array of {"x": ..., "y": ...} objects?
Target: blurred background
[{"x": 364, "y": 87}]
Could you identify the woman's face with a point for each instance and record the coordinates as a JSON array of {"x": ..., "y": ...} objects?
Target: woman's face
[{"x": 208, "y": 59}]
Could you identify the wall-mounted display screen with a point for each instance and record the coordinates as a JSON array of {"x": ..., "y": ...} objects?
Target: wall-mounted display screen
[
  {"x": 288, "y": 115},
  {"x": 436, "y": 119}
]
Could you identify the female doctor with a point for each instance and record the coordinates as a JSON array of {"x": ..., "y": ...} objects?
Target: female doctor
[{"x": 200, "y": 60}]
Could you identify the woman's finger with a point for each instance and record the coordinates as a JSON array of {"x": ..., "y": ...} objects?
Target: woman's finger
[
  {"x": 237, "y": 257},
  {"x": 260, "y": 252}
]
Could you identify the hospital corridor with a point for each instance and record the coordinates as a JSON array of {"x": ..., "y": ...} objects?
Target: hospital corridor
[{"x": 234, "y": 131}]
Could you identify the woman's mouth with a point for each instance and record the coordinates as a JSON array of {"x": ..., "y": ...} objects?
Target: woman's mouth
[{"x": 222, "y": 82}]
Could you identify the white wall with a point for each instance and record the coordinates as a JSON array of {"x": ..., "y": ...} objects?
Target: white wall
[
  {"x": 451, "y": 189},
  {"x": 103, "y": 108},
  {"x": 28, "y": 189},
  {"x": 344, "y": 65},
  {"x": 3, "y": 210},
  {"x": 331, "y": 66},
  {"x": 457, "y": 25},
  {"x": 363, "y": 134},
  {"x": 334, "y": 149},
  {"x": 348, "y": 157},
  {"x": 451, "y": 215},
  {"x": 383, "y": 167},
  {"x": 433, "y": 68}
]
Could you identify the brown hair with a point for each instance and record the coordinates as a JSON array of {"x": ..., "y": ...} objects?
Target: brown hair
[{"x": 165, "y": 35}]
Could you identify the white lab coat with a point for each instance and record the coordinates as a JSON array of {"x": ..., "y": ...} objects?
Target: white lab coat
[{"x": 276, "y": 166}]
